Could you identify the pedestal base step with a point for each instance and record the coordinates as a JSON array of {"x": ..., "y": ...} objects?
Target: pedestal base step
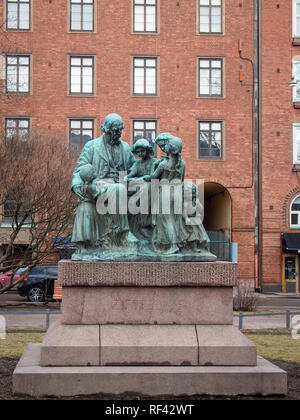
[
  {"x": 30, "y": 378},
  {"x": 146, "y": 345}
]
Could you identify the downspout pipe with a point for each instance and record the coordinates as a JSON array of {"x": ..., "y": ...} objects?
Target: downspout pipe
[{"x": 257, "y": 146}]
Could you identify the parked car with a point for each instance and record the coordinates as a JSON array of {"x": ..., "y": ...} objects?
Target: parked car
[
  {"x": 39, "y": 285},
  {"x": 5, "y": 278}
]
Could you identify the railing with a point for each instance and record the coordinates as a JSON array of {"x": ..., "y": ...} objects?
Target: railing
[
  {"x": 241, "y": 315},
  {"x": 287, "y": 314},
  {"x": 46, "y": 313}
]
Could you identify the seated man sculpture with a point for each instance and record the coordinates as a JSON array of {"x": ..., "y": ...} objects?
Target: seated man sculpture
[{"x": 110, "y": 157}]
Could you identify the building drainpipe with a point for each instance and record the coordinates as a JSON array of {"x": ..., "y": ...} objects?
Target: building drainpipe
[{"x": 257, "y": 115}]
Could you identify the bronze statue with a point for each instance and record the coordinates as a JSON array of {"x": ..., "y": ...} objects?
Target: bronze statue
[{"x": 125, "y": 213}]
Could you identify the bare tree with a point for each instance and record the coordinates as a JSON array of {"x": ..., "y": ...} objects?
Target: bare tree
[{"x": 35, "y": 196}]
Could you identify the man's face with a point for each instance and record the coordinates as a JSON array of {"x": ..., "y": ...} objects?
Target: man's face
[{"x": 115, "y": 131}]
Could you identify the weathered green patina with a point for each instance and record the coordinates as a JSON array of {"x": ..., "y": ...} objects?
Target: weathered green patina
[{"x": 116, "y": 219}]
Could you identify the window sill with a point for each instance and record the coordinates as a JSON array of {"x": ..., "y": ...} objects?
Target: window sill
[
  {"x": 296, "y": 41},
  {"x": 18, "y": 93},
  {"x": 296, "y": 104},
  {"x": 210, "y": 97},
  {"x": 296, "y": 167},
  {"x": 83, "y": 95},
  {"x": 144, "y": 96},
  {"x": 145, "y": 33},
  {"x": 201, "y": 159}
]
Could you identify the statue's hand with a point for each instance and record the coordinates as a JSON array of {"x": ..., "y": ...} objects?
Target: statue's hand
[
  {"x": 77, "y": 190},
  {"x": 146, "y": 178}
]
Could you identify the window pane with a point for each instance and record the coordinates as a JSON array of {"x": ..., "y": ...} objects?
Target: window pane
[
  {"x": 204, "y": 126},
  {"x": 150, "y": 81},
  {"x": 87, "y": 61},
  {"x": 150, "y": 125},
  {"x": 75, "y": 124},
  {"x": 298, "y": 25},
  {"x": 138, "y": 135},
  {"x": 150, "y": 19},
  {"x": 24, "y": 60},
  {"x": 138, "y": 125},
  {"x": 139, "y": 18},
  {"x": 204, "y": 11},
  {"x": 294, "y": 219},
  {"x": 87, "y": 17},
  {"x": 11, "y": 81},
  {"x": 12, "y": 16},
  {"x": 76, "y": 17},
  {"x": 75, "y": 61},
  {"x": 24, "y": 16},
  {"x": 139, "y": 62},
  {"x": 216, "y": 126},
  {"x": 87, "y": 135},
  {"x": 87, "y": 124}
]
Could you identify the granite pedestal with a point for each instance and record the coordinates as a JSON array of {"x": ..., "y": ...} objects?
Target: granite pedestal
[{"x": 149, "y": 328}]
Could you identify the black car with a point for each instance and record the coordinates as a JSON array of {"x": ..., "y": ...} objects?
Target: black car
[{"x": 39, "y": 285}]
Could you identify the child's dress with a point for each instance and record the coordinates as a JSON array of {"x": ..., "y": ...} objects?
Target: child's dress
[{"x": 86, "y": 226}]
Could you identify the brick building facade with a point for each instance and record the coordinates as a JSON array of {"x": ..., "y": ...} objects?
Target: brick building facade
[{"x": 214, "y": 72}]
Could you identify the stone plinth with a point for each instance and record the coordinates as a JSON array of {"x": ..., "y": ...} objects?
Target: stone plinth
[
  {"x": 147, "y": 293},
  {"x": 31, "y": 379},
  {"x": 155, "y": 329},
  {"x": 147, "y": 305},
  {"x": 147, "y": 274},
  {"x": 146, "y": 345}
]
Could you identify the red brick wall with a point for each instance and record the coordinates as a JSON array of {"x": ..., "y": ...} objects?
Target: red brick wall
[
  {"x": 177, "y": 107},
  {"x": 280, "y": 184}
]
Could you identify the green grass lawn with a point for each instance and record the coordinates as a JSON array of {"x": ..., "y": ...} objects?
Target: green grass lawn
[
  {"x": 276, "y": 344},
  {"x": 16, "y": 342}
]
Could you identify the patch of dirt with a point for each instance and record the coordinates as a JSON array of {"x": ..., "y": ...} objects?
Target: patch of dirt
[{"x": 8, "y": 365}]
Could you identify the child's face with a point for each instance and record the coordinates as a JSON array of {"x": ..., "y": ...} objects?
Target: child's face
[
  {"x": 141, "y": 152},
  {"x": 163, "y": 144}
]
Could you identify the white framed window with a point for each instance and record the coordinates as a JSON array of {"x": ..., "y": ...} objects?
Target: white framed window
[
  {"x": 295, "y": 213},
  {"x": 18, "y": 15},
  {"x": 145, "y": 15},
  {"x": 18, "y": 74},
  {"x": 211, "y": 140},
  {"x": 82, "y": 15},
  {"x": 296, "y": 144},
  {"x": 80, "y": 132},
  {"x": 296, "y": 78},
  {"x": 210, "y": 77},
  {"x": 17, "y": 128},
  {"x": 145, "y": 76},
  {"x": 296, "y": 18},
  {"x": 81, "y": 75},
  {"x": 210, "y": 16}
]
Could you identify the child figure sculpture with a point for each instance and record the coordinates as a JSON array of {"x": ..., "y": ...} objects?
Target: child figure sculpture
[
  {"x": 86, "y": 232},
  {"x": 139, "y": 177}
]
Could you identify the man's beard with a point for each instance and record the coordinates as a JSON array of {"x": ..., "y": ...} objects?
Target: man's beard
[{"x": 114, "y": 142}]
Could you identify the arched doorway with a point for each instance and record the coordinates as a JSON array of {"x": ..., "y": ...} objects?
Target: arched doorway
[{"x": 217, "y": 219}]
